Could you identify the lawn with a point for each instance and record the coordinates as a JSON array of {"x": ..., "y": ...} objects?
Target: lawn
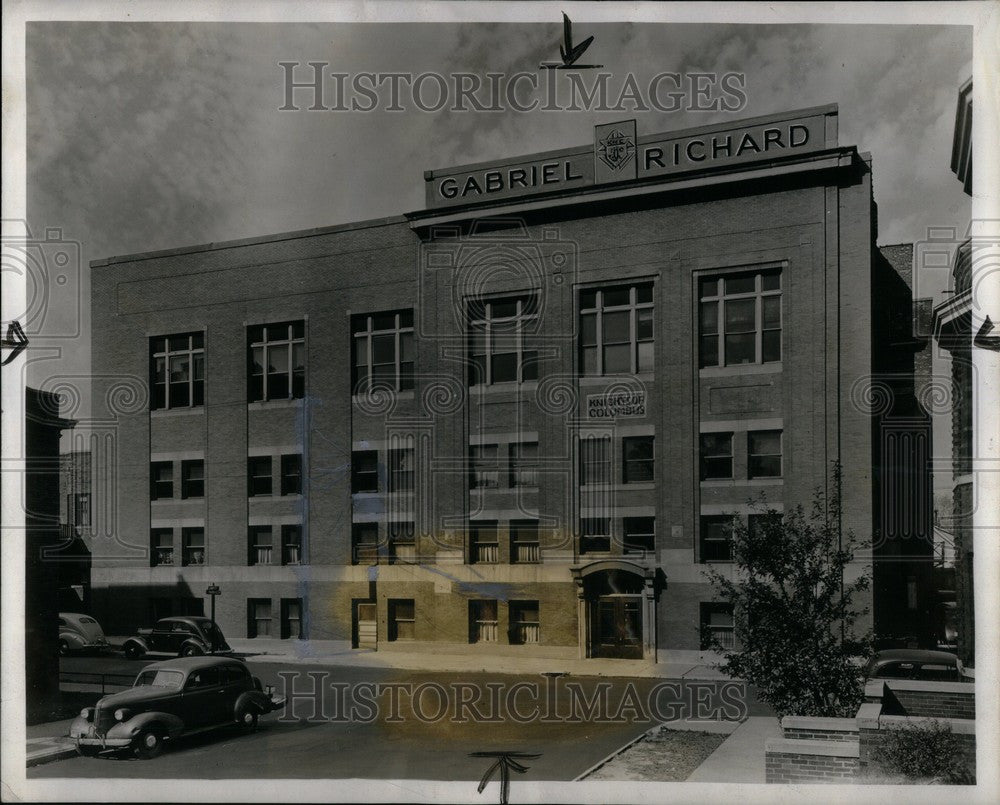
[{"x": 666, "y": 756}]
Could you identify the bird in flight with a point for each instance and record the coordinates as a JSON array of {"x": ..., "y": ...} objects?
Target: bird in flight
[{"x": 568, "y": 52}]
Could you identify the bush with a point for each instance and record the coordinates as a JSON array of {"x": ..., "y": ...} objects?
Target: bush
[{"x": 926, "y": 749}]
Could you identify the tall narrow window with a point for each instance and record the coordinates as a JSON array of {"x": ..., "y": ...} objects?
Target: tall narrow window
[
  {"x": 161, "y": 480},
  {"x": 524, "y": 464},
  {"x": 291, "y": 544},
  {"x": 524, "y": 622},
  {"x": 595, "y": 460},
  {"x": 717, "y": 538},
  {"x": 364, "y": 541},
  {"x": 716, "y": 456},
  {"x": 637, "y": 459},
  {"x": 402, "y": 620},
  {"x": 277, "y": 357},
  {"x": 364, "y": 471},
  {"x": 484, "y": 546},
  {"x": 484, "y": 469},
  {"x": 616, "y": 330},
  {"x": 161, "y": 542},
  {"x": 483, "y": 621},
  {"x": 383, "y": 351},
  {"x": 499, "y": 340},
  {"x": 639, "y": 534},
  {"x": 261, "y": 545},
  {"x": 193, "y": 546},
  {"x": 258, "y": 476},
  {"x": 401, "y": 470},
  {"x": 524, "y": 545},
  {"x": 81, "y": 509},
  {"x": 717, "y": 622},
  {"x": 595, "y": 535},
  {"x": 740, "y": 318},
  {"x": 764, "y": 454},
  {"x": 291, "y": 474},
  {"x": 193, "y": 478},
  {"x": 177, "y": 370},
  {"x": 291, "y": 618},
  {"x": 402, "y": 545},
  {"x": 258, "y": 617}
]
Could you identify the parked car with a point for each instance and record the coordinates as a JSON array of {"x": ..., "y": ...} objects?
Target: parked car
[
  {"x": 171, "y": 699},
  {"x": 80, "y": 633},
  {"x": 908, "y": 663},
  {"x": 188, "y": 636}
]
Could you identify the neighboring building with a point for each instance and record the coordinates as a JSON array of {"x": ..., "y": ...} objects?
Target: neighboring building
[
  {"x": 43, "y": 428},
  {"x": 516, "y": 421},
  {"x": 75, "y": 490},
  {"x": 953, "y": 332}
]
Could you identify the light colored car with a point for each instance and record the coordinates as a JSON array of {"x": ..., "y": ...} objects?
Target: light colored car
[
  {"x": 171, "y": 699},
  {"x": 79, "y": 632},
  {"x": 906, "y": 663}
]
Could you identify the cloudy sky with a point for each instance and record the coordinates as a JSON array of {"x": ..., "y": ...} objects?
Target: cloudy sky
[{"x": 147, "y": 136}]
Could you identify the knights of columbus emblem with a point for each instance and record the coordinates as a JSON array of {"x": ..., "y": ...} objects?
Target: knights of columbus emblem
[{"x": 617, "y": 149}]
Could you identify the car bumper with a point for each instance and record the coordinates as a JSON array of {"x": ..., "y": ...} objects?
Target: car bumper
[
  {"x": 105, "y": 743},
  {"x": 85, "y": 734}
]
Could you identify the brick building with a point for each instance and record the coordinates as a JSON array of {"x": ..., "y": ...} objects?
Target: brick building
[{"x": 515, "y": 421}]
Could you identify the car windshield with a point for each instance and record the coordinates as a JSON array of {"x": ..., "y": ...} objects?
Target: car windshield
[{"x": 160, "y": 679}]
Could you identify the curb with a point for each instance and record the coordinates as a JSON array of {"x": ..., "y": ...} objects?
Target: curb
[{"x": 50, "y": 756}]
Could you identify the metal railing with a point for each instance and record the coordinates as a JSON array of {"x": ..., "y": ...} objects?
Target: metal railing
[{"x": 94, "y": 680}]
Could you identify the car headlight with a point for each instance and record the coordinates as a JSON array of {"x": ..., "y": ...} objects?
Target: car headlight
[
  {"x": 85, "y": 712},
  {"x": 121, "y": 714}
]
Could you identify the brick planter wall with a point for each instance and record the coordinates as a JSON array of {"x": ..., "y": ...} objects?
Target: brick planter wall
[{"x": 795, "y": 760}]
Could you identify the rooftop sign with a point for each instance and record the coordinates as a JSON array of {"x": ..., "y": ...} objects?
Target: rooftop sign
[{"x": 618, "y": 155}]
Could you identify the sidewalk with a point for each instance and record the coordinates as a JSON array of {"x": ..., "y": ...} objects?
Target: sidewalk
[
  {"x": 319, "y": 652},
  {"x": 740, "y": 758},
  {"x": 49, "y": 741}
]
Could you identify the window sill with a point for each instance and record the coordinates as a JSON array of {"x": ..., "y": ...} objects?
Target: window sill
[
  {"x": 157, "y": 413},
  {"x": 741, "y": 369},
  {"x": 264, "y": 405},
  {"x": 603, "y": 380}
]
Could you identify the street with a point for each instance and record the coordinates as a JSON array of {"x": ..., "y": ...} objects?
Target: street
[{"x": 394, "y": 724}]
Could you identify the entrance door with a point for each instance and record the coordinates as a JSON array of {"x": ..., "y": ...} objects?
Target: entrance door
[{"x": 617, "y": 624}]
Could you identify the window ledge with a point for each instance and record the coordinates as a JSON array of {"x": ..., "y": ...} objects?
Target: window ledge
[
  {"x": 500, "y": 388},
  {"x": 157, "y": 413},
  {"x": 741, "y": 369},
  {"x": 603, "y": 380},
  {"x": 263, "y": 405}
]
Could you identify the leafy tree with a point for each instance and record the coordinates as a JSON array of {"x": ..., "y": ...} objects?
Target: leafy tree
[{"x": 794, "y": 613}]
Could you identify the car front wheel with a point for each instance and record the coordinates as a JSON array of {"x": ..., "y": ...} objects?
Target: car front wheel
[
  {"x": 63, "y": 648},
  {"x": 133, "y": 652},
  {"x": 191, "y": 651},
  {"x": 149, "y": 743},
  {"x": 247, "y": 719}
]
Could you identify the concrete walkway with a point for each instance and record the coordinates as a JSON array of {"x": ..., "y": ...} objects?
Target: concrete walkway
[
  {"x": 740, "y": 758},
  {"x": 49, "y": 741}
]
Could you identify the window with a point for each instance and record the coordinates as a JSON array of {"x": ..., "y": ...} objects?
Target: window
[
  {"x": 258, "y": 476},
  {"x": 484, "y": 547},
  {"x": 401, "y": 619},
  {"x": 595, "y": 460},
  {"x": 717, "y": 622},
  {"x": 637, "y": 459},
  {"x": 277, "y": 355},
  {"x": 161, "y": 546},
  {"x": 401, "y": 470},
  {"x": 748, "y": 308},
  {"x": 523, "y": 464},
  {"x": 161, "y": 480},
  {"x": 616, "y": 330},
  {"x": 364, "y": 543},
  {"x": 716, "y": 538},
  {"x": 258, "y": 617},
  {"x": 81, "y": 509},
  {"x": 291, "y": 618},
  {"x": 193, "y": 546},
  {"x": 402, "y": 547},
  {"x": 524, "y": 547},
  {"x": 291, "y": 544},
  {"x": 291, "y": 475},
  {"x": 261, "y": 544},
  {"x": 383, "y": 350},
  {"x": 595, "y": 535},
  {"x": 498, "y": 331},
  {"x": 764, "y": 454},
  {"x": 193, "y": 479},
  {"x": 484, "y": 466},
  {"x": 177, "y": 367},
  {"x": 716, "y": 456},
  {"x": 483, "y": 621},
  {"x": 364, "y": 471},
  {"x": 639, "y": 534},
  {"x": 523, "y": 622}
]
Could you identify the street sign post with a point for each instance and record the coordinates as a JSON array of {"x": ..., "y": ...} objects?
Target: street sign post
[{"x": 213, "y": 591}]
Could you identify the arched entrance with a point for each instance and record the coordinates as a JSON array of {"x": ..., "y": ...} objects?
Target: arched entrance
[{"x": 617, "y": 613}]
